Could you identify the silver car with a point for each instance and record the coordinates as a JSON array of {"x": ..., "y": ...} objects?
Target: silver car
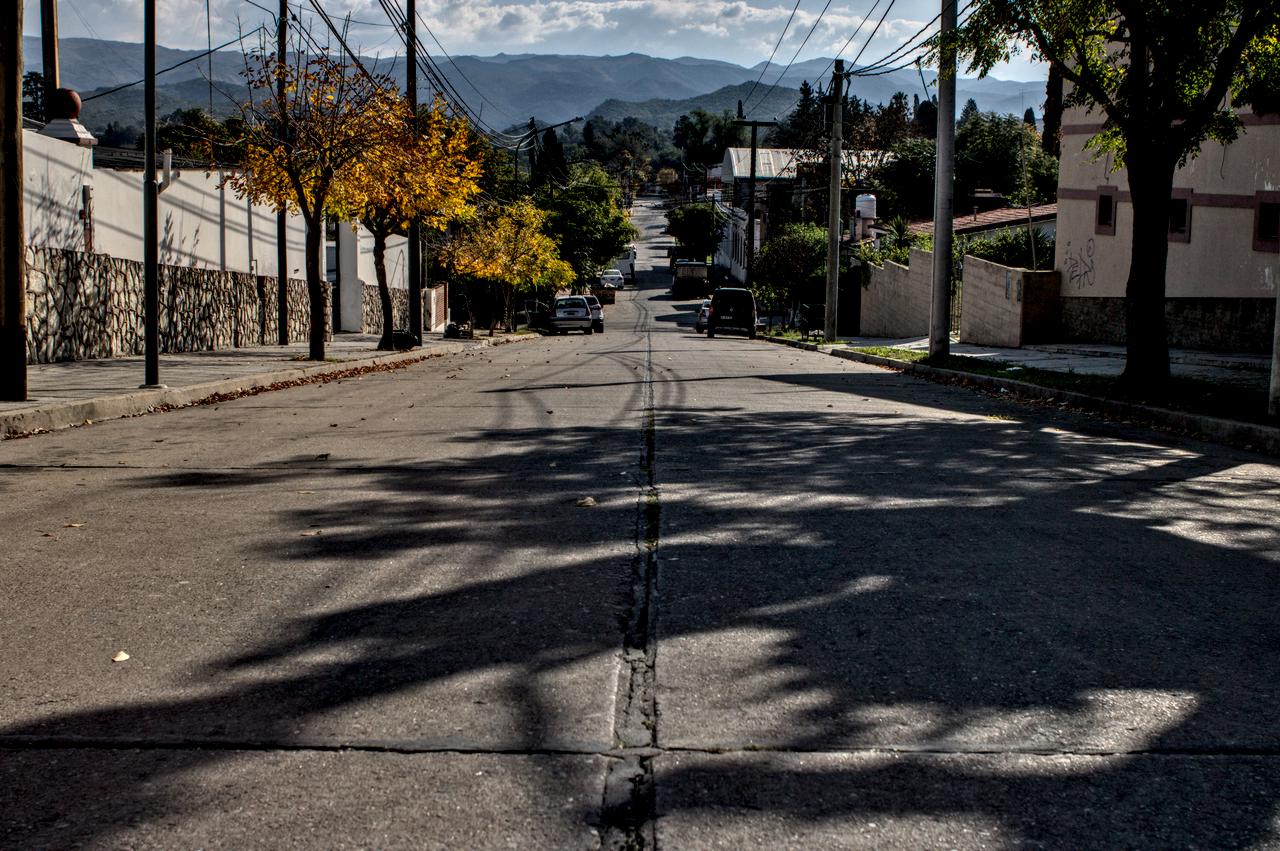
[
  {"x": 597, "y": 314},
  {"x": 571, "y": 313},
  {"x": 700, "y": 324}
]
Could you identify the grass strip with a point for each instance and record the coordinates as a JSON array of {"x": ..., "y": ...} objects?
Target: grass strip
[{"x": 1192, "y": 395}]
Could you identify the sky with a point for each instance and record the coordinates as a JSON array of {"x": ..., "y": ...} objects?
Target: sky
[{"x": 744, "y": 32}]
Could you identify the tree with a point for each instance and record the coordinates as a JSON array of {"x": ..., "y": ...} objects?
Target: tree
[
  {"x": 1161, "y": 73},
  {"x": 1029, "y": 117},
  {"x": 508, "y": 247},
  {"x": 548, "y": 164},
  {"x": 33, "y": 96},
  {"x": 1003, "y": 154},
  {"x": 697, "y": 227},
  {"x": 421, "y": 169},
  {"x": 196, "y": 134},
  {"x": 791, "y": 265},
  {"x": 300, "y": 147},
  {"x": 968, "y": 112},
  {"x": 586, "y": 221},
  {"x": 904, "y": 180}
]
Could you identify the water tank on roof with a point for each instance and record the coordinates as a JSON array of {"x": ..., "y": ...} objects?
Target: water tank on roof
[{"x": 866, "y": 206}]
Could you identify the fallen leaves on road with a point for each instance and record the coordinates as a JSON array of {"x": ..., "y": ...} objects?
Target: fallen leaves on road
[
  {"x": 120, "y": 657},
  {"x": 72, "y": 525},
  {"x": 311, "y": 533},
  {"x": 586, "y": 502}
]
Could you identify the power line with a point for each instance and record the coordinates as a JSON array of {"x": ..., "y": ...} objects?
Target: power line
[
  {"x": 773, "y": 52},
  {"x": 794, "y": 56},
  {"x": 186, "y": 61}
]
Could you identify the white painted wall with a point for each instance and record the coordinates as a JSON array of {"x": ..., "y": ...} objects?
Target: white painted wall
[
  {"x": 201, "y": 225},
  {"x": 356, "y": 270}
]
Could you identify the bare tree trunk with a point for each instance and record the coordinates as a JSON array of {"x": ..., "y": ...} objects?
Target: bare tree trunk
[
  {"x": 1150, "y": 186},
  {"x": 384, "y": 291}
]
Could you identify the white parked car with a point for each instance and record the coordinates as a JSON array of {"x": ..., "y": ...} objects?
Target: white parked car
[
  {"x": 611, "y": 279},
  {"x": 597, "y": 314},
  {"x": 571, "y": 313}
]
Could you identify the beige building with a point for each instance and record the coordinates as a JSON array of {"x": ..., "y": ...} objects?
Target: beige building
[{"x": 1224, "y": 240}]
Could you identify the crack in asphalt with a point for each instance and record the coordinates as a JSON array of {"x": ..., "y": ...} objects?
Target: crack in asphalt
[{"x": 627, "y": 815}]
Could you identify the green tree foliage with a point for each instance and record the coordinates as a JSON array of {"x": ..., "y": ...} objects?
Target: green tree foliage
[
  {"x": 1003, "y": 154},
  {"x": 697, "y": 227},
  {"x": 790, "y": 267},
  {"x": 548, "y": 165},
  {"x": 195, "y": 134},
  {"x": 1019, "y": 248},
  {"x": 904, "y": 181},
  {"x": 803, "y": 127},
  {"x": 702, "y": 137},
  {"x": 968, "y": 112},
  {"x": 33, "y": 96},
  {"x": 586, "y": 221},
  {"x": 1160, "y": 73}
]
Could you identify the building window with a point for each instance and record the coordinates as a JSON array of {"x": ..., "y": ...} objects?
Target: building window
[
  {"x": 1104, "y": 222},
  {"x": 1180, "y": 216},
  {"x": 1266, "y": 222}
]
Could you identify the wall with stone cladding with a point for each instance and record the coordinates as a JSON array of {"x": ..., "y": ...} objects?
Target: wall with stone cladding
[
  {"x": 1007, "y": 307},
  {"x": 86, "y": 306},
  {"x": 1212, "y": 324},
  {"x": 896, "y": 299},
  {"x": 373, "y": 309}
]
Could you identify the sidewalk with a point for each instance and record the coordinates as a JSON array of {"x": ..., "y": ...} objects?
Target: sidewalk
[
  {"x": 68, "y": 393},
  {"x": 1240, "y": 371}
]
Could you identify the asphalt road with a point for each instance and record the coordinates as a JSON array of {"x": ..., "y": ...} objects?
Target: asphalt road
[{"x": 814, "y": 604}]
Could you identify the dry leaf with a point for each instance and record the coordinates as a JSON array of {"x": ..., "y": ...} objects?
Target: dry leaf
[
  {"x": 586, "y": 502},
  {"x": 306, "y": 491},
  {"x": 72, "y": 525},
  {"x": 311, "y": 533},
  {"x": 120, "y": 657}
]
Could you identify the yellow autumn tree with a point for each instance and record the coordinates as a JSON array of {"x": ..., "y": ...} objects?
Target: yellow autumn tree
[
  {"x": 508, "y": 247},
  {"x": 305, "y": 139},
  {"x": 423, "y": 170}
]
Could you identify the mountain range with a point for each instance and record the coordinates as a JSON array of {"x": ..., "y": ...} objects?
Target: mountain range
[{"x": 507, "y": 89}]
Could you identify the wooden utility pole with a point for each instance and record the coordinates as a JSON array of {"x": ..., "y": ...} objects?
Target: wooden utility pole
[
  {"x": 944, "y": 190},
  {"x": 282, "y": 218},
  {"x": 49, "y": 51},
  {"x": 13, "y": 243},
  {"x": 751, "y": 193},
  {"x": 414, "y": 262},
  {"x": 150, "y": 206},
  {"x": 833, "y": 202}
]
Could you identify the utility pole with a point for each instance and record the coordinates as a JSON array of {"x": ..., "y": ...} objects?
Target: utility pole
[
  {"x": 282, "y": 218},
  {"x": 833, "y": 202},
  {"x": 944, "y": 189},
  {"x": 415, "y": 239},
  {"x": 751, "y": 192},
  {"x": 49, "y": 51},
  {"x": 150, "y": 206},
  {"x": 13, "y": 278}
]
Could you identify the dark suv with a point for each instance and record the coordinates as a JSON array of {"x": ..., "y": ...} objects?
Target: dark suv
[{"x": 732, "y": 309}]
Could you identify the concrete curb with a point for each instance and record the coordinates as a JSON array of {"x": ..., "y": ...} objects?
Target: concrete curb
[
  {"x": 62, "y": 415},
  {"x": 1248, "y": 435}
]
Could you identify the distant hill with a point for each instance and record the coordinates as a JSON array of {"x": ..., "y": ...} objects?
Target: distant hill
[
  {"x": 663, "y": 112},
  {"x": 505, "y": 90}
]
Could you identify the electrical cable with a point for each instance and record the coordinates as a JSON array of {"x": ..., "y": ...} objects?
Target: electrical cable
[
  {"x": 773, "y": 52},
  {"x": 186, "y": 61},
  {"x": 794, "y": 56}
]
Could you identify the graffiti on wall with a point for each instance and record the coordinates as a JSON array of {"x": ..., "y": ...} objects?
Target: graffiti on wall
[{"x": 1079, "y": 265}]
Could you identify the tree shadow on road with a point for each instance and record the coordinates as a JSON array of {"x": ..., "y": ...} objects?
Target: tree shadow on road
[{"x": 835, "y": 593}]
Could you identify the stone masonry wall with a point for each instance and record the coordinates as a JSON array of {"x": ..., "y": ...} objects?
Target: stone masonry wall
[
  {"x": 373, "y": 309},
  {"x": 896, "y": 299},
  {"x": 85, "y": 306}
]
